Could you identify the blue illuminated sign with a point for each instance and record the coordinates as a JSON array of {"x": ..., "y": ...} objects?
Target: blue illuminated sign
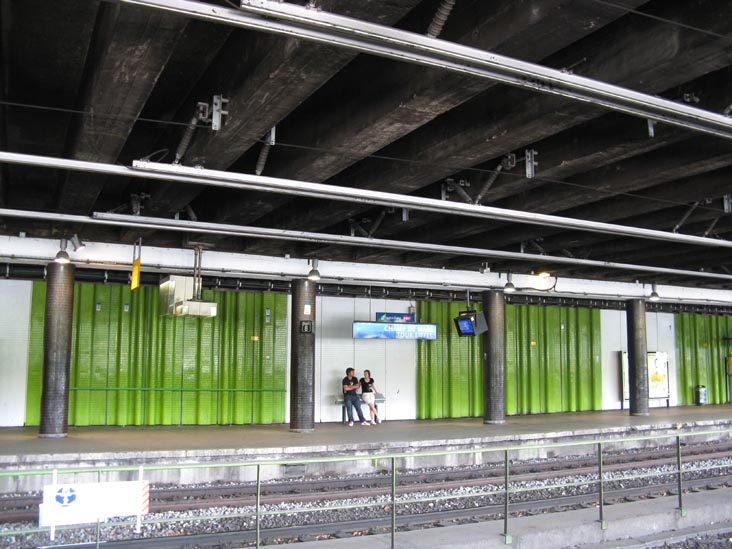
[
  {"x": 396, "y": 317},
  {"x": 393, "y": 330}
]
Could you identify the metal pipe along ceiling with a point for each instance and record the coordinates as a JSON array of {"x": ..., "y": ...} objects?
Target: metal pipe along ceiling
[
  {"x": 157, "y": 223},
  {"x": 215, "y": 178},
  {"x": 315, "y": 25}
]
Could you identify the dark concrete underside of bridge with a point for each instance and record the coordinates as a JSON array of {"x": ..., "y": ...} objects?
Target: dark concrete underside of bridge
[{"x": 112, "y": 83}]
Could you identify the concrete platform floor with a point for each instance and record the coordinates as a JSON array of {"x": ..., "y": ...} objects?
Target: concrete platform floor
[{"x": 24, "y": 441}]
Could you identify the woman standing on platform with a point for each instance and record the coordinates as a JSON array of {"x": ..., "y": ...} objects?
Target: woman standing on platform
[{"x": 368, "y": 392}]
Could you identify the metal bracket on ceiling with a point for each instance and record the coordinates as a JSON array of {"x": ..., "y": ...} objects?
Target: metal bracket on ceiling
[
  {"x": 220, "y": 112},
  {"x": 377, "y": 222},
  {"x": 459, "y": 187},
  {"x": 203, "y": 114},
  {"x": 215, "y": 113},
  {"x": 535, "y": 244},
  {"x": 356, "y": 228},
  {"x": 189, "y": 212},
  {"x": 727, "y": 203},
  {"x": 136, "y": 201},
  {"x": 651, "y": 128},
  {"x": 531, "y": 163}
]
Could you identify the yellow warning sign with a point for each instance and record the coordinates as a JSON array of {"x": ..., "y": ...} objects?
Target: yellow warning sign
[{"x": 135, "y": 278}]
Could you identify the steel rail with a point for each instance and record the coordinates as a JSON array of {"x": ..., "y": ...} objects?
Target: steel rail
[
  {"x": 200, "y": 227},
  {"x": 241, "y": 181},
  {"x": 327, "y": 28}
]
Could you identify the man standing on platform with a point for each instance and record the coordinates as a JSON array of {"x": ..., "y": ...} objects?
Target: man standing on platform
[{"x": 350, "y": 397}]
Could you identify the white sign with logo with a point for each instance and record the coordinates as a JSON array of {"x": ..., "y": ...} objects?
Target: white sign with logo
[{"x": 65, "y": 504}]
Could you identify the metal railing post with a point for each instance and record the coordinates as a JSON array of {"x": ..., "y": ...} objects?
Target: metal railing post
[
  {"x": 507, "y": 537},
  {"x": 680, "y": 474},
  {"x": 258, "y": 501},
  {"x": 393, "y": 502},
  {"x": 601, "y": 487},
  {"x": 99, "y": 479}
]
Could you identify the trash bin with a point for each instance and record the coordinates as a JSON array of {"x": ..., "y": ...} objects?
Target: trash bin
[{"x": 701, "y": 395}]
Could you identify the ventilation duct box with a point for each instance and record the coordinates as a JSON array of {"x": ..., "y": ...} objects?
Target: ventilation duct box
[
  {"x": 176, "y": 298},
  {"x": 195, "y": 308}
]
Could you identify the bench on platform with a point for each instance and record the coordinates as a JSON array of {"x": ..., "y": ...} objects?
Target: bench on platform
[{"x": 378, "y": 399}]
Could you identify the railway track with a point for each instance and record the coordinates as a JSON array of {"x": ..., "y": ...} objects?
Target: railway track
[
  {"x": 487, "y": 480},
  {"x": 404, "y": 522}
]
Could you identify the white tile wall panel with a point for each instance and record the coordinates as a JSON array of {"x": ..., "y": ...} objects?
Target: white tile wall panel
[{"x": 15, "y": 296}]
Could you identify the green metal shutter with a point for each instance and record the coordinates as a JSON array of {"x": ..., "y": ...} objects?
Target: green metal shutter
[
  {"x": 35, "y": 355},
  {"x": 702, "y": 344},
  {"x": 552, "y": 362},
  {"x": 130, "y": 366}
]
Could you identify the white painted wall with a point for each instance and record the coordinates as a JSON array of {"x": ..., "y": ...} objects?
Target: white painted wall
[
  {"x": 392, "y": 363},
  {"x": 660, "y": 334},
  {"x": 661, "y": 337},
  {"x": 15, "y": 296}
]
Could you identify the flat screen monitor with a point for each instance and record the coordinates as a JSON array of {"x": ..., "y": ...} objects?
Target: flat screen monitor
[{"x": 465, "y": 326}]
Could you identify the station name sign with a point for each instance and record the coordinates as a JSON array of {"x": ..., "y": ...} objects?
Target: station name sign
[{"x": 393, "y": 330}]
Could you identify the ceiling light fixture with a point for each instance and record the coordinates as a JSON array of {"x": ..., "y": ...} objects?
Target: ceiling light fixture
[
  {"x": 314, "y": 273},
  {"x": 509, "y": 288},
  {"x": 62, "y": 257},
  {"x": 77, "y": 243},
  {"x": 654, "y": 294}
]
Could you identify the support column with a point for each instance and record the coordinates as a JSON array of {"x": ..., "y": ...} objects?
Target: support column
[
  {"x": 302, "y": 357},
  {"x": 494, "y": 405},
  {"x": 57, "y": 350},
  {"x": 637, "y": 357}
]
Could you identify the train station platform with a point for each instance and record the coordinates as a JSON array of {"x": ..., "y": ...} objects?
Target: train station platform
[
  {"x": 209, "y": 453},
  {"x": 541, "y": 435}
]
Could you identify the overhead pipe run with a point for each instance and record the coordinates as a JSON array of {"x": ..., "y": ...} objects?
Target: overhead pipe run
[
  {"x": 230, "y": 180},
  {"x": 364, "y": 196},
  {"x": 26, "y": 257},
  {"x": 118, "y": 220},
  {"x": 337, "y": 30}
]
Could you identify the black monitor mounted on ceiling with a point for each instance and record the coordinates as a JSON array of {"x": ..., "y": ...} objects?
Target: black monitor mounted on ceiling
[{"x": 470, "y": 323}]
